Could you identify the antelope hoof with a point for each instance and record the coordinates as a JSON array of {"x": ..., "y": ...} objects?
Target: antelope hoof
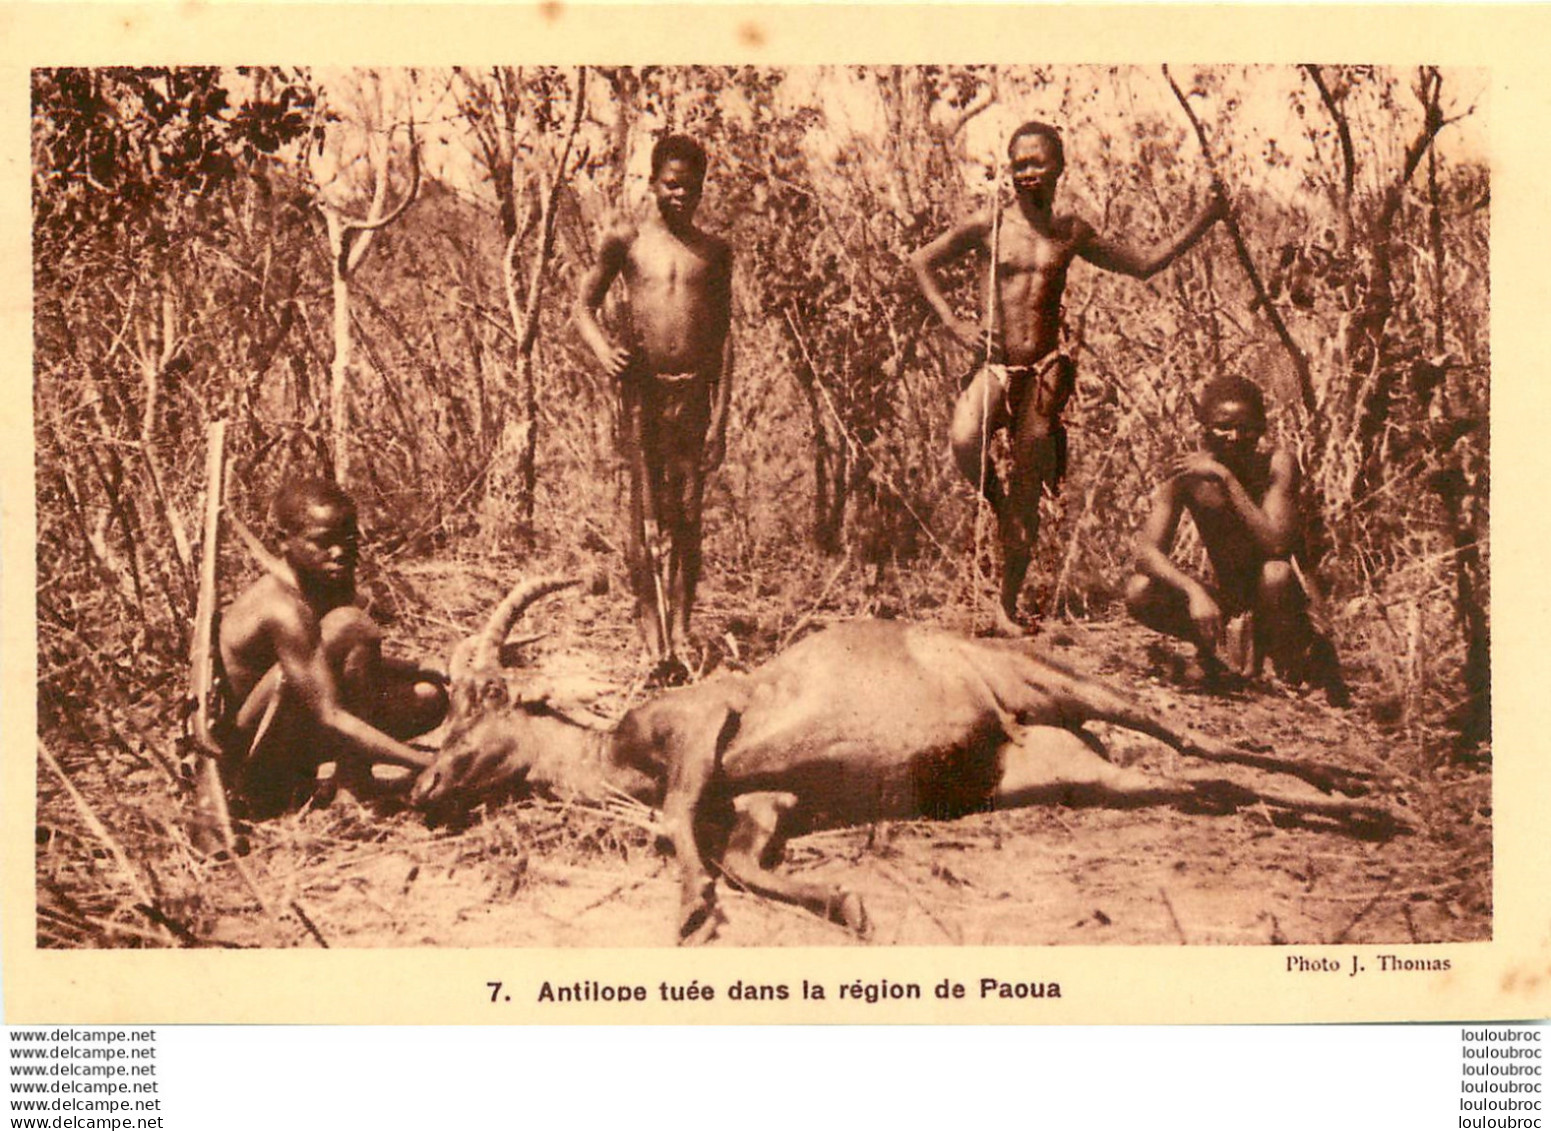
[
  {"x": 700, "y": 925},
  {"x": 847, "y": 910},
  {"x": 699, "y": 915}
]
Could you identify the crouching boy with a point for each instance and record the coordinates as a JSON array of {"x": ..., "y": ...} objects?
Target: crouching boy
[
  {"x": 1243, "y": 500},
  {"x": 303, "y": 670}
]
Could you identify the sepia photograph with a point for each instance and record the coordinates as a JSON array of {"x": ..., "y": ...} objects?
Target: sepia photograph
[
  {"x": 756, "y": 527},
  {"x": 761, "y": 506}
]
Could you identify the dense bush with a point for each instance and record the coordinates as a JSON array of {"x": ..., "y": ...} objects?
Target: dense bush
[{"x": 186, "y": 269}]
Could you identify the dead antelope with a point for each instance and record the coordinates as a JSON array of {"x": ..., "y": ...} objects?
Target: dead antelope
[{"x": 861, "y": 722}]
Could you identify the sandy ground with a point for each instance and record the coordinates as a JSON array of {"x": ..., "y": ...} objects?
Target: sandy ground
[{"x": 537, "y": 874}]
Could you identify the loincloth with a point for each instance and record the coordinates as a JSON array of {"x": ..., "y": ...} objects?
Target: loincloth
[
  {"x": 674, "y": 409},
  {"x": 1042, "y": 387},
  {"x": 1032, "y": 399}
]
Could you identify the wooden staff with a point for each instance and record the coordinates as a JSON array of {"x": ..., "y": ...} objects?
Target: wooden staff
[
  {"x": 1241, "y": 249},
  {"x": 1318, "y": 609},
  {"x": 651, "y": 532},
  {"x": 213, "y": 816},
  {"x": 996, "y": 247},
  {"x": 990, "y": 349}
]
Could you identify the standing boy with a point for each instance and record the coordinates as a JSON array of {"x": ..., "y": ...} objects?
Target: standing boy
[
  {"x": 675, "y": 378},
  {"x": 1024, "y": 381}
]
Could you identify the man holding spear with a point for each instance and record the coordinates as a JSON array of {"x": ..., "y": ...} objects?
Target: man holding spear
[{"x": 1024, "y": 381}]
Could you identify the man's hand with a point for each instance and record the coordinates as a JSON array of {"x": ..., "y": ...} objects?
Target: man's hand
[
  {"x": 615, "y": 361},
  {"x": 1207, "y": 618},
  {"x": 1199, "y": 465}
]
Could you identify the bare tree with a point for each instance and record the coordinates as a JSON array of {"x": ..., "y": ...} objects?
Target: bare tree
[
  {"x": 509, "y": 111},
  {"x": 350, "y": 237}
]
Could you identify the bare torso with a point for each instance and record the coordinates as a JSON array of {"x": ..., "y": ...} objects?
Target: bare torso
[
  {"x": 1031, "y": 280},
  {"x": 1236, "y": 557},
  {"x": 678, "y": 299},
  {"x": 249, "y": 630},
  {"x": 679, "y": 281}
]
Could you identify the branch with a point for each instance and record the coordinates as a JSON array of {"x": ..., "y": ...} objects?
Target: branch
[
  {"x": 342, "y": 228},
  {"x": 984, "y": 97},
  {"x": 1299, "y": 360},
  {"x": 1433, "y": 121},
  {"x": 1429, "y": 92},
  {"x": 350, "y": 225},
  {"x": 1343, "y": 132},
  {"x": 276, "y": 567},
  {"x": 529, "y": 327},
  {"x": 100, "y": 831}
]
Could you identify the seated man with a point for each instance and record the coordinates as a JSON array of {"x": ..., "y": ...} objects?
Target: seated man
[
  {"x": 1244, "y": 502},
  {"x": 305, "y": 677}
]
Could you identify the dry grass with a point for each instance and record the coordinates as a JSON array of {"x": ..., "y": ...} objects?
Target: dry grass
[{"x": 551, "y": 874}]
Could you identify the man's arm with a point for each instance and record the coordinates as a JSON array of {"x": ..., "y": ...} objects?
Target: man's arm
[
  {"x": 1153, "y": 543},
  {"x": 1156, "y": 538},
  {"x": 299, "y": 646},
  {"x": 1273, "y": 523},
  {"x": 612, "y": 251},
  {"x": 956, "y": 242},
  {"x": 716, "y": 435},
  {"x": 1110, "y": 255}
]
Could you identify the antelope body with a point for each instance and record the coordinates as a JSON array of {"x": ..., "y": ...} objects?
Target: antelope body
[{"x": 862, "y": 721}]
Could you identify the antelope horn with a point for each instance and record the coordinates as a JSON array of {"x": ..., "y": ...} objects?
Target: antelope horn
[{"x": 487, "y": 644}]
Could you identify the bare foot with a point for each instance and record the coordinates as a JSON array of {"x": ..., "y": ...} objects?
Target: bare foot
[
  {"x": 701, "y": 925},
  {"x": 1006, "y": 625},
  {"x": 669, "y": 672},
  {"x": 849, "y": 912},
  {"x": 1242, "y": 655},
  {"x": 1213, "y": 676}
]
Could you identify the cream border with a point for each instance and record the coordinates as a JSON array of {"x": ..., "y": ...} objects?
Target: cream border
[{"x": 1509, "y": 977}]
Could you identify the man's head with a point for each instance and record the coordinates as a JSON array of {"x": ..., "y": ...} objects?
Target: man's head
[
  {"x": 1036, "y": 159},
  {"x": 1232, "y": 412},
  {"x": 678, "y": 176},
  {"x": 319, "y": 526}
]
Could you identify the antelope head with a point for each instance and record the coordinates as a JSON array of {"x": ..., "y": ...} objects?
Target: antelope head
[{"x": 495, "y": 724}]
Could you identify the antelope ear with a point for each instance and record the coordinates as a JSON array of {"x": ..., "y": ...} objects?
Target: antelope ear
[{"x": 509, "y": 654}]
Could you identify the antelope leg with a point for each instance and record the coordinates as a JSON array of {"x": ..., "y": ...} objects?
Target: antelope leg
[
  {"x": 1318, "y": 774},
  {"x": 756, "y": 847},
  {"x": 1042, "y": 684},
  {"x": 694, "y": 747},
  {"x": 1044, "y": 765},
  {"x": 1294, "y": 799}
]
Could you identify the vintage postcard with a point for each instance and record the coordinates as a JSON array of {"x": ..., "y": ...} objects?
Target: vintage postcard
[{"x": 585, "y": 513}]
